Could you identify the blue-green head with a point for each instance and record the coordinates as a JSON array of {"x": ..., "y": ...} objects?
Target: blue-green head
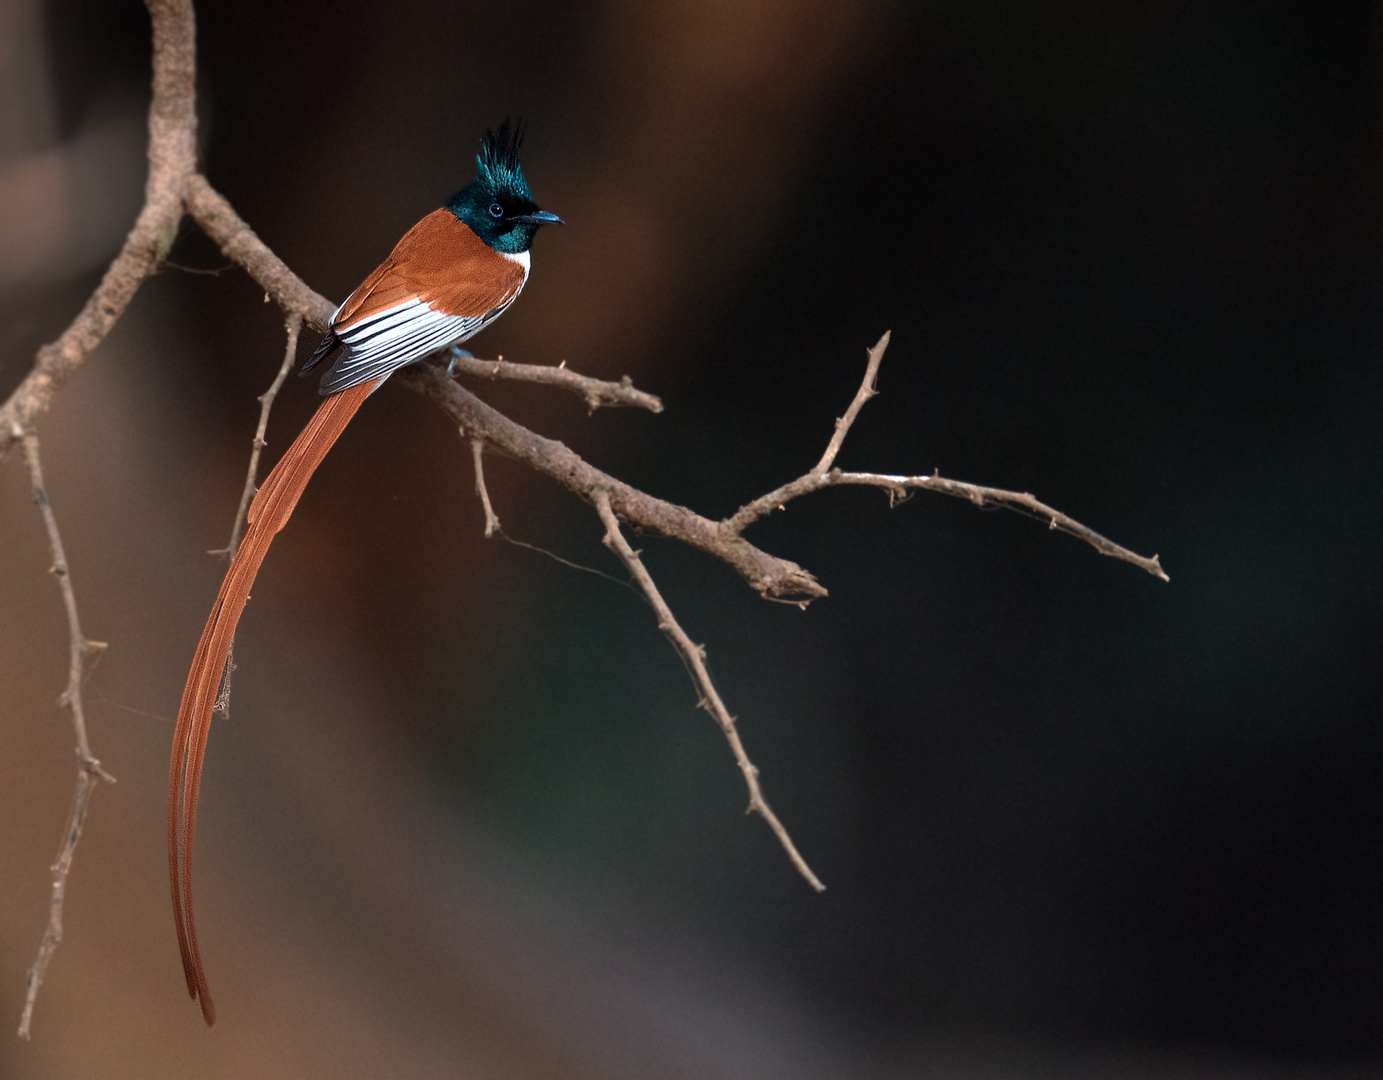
[{"x": 497, "y": 204}]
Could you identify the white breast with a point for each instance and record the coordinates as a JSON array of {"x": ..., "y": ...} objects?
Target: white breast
[{"x": 523, "y": 258}]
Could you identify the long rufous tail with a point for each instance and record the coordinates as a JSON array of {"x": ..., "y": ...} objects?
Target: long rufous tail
[{"x": 273, "y": 505}]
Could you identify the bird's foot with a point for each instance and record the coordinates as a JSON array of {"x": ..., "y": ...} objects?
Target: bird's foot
[{"x": 456, "y": 354}]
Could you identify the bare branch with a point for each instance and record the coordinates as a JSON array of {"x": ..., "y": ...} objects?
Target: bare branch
[
  {"x": 238, "y": 242},
  {"x": 478, "y": 457},
  {"x": 293, "y": 325},
  {"x": 695, "y": 656},
  {"x": 595, "y": 392},
  {"x": 770, "y": 576},
  {"x": 172, "y": 148},
  {"x": 88, "y": 768}
]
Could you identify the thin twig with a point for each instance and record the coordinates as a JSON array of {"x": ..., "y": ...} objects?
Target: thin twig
[
  {"x": 568, "y": 563},
  {"x": 695, "y": 655},
  {"x": 595, "y": 392},
  {"x": 493, "y": 527},
  {"x": 293, "y": 325},
  {"x": 868, "y": 388},
  {"x": 88, "y": 768},
  {"x": 1020, "y": 501},
  {"x": 478, "y": 457}
]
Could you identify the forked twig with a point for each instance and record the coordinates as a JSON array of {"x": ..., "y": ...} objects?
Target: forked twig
[
  {"x": 88, "y": 768},
  {"x": 822, "y": 476},
  {"x": 695, "y": 655}
]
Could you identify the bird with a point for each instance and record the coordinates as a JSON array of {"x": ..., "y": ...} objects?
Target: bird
[{"x": 450, "y": 276}]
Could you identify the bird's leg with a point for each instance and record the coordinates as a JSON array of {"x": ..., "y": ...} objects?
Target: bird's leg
[{"x": 456, "y": 353}]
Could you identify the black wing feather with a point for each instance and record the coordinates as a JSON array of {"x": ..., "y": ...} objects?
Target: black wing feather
[{"x": 324, "y": 349}]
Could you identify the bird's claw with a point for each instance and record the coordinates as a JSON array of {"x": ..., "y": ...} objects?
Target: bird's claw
[{"x": 456, "y": 353}]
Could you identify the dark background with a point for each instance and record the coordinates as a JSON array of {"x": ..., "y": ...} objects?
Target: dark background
[{"x": 1073, "y": 820}]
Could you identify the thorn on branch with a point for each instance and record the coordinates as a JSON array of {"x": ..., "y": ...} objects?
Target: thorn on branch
[{"x": 92, "y": 766}]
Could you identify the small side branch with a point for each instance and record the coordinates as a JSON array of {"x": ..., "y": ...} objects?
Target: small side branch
[
  {"x": 868, "y": 388},
  {"x": 695, "y": 656},
  {"x": 595, "y": 392},
  {"x": 1021, "y": 501},
  {"x": 293, "y": 325},
  {"x": 88, "y": 768},
  {"x": 478, "y": 457}
]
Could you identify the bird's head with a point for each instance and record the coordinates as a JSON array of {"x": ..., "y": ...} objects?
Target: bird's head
[{"x": 497, "y": 204}]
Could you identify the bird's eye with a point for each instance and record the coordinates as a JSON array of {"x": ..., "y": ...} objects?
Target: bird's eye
[{"x": 496, "y": 211}]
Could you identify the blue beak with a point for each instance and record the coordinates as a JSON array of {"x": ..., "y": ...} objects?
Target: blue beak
[{"x": 538, "y": 217}]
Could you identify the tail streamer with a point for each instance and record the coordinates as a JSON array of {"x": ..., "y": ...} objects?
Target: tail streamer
[{"x": 270, "y": 511}]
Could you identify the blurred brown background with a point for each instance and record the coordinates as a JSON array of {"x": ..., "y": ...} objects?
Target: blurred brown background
[{"x": 464, "y": 819}]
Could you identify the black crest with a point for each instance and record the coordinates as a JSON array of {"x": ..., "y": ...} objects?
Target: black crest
[{"x": 497, "y": 164}]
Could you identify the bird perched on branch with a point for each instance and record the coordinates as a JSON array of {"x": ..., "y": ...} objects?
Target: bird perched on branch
[{"x": 450, "y": 276}]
